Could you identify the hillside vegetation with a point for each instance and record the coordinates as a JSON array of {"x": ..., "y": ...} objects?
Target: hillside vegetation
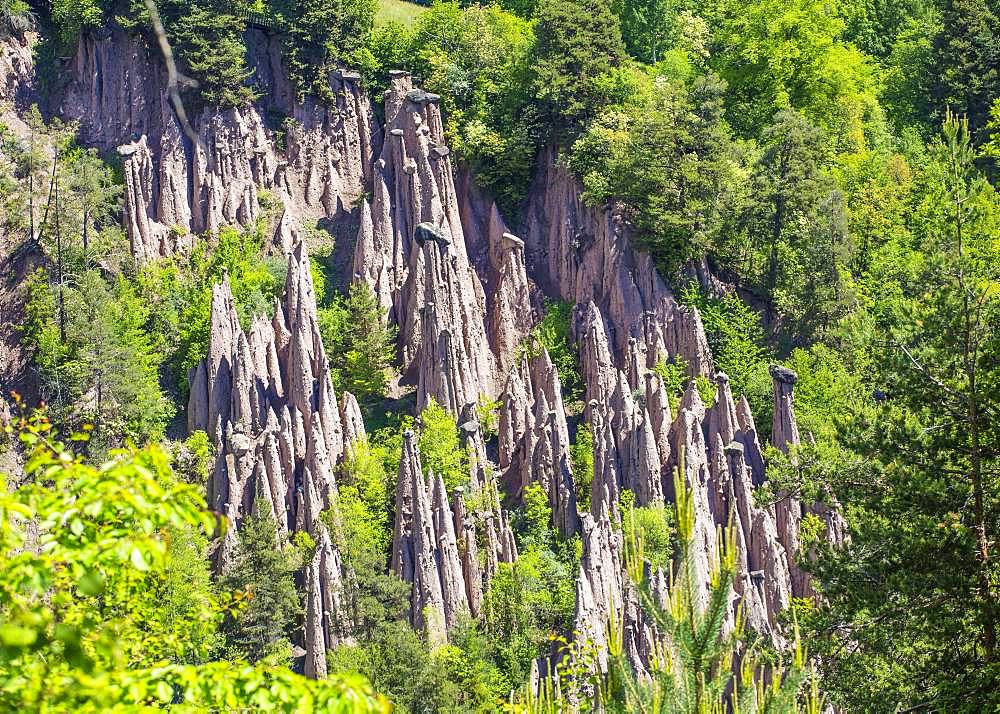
[{"x": 817, "y": 178}]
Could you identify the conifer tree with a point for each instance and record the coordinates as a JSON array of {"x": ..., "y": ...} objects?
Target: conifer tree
[
  {"x": 912, "y": 597},
  {"x": 263, "y": 573},
  {"x": 577, "y": 42}
]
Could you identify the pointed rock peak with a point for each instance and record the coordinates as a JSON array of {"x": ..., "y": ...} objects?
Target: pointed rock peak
[
  {"x": 744, "y": 416},
  {"x": 692, "y": 401},
  {"x": 354, "y": 424},
  {"x": 409, "y": 462}
]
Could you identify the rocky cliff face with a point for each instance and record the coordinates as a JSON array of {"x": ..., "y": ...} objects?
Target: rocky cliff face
[
  {"x": 17, "y": 71},
  {"x": 581, "y": 254},
  {"x": 465, "y": 292},
  {"x": 411, "y": 249},
  {"x": 313, "y": 160}
]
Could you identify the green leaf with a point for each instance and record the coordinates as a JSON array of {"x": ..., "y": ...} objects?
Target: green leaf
[
  {"x": 138, "y": 559},
  {"x": 76, "y": 526},
  {"x": 92, "y": 583},
  {"x": 164, "y": 692},
  {"x": 16, "y": 636}
]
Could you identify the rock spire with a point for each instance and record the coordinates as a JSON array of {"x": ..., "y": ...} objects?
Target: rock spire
[{"x": 266, "y": 398}]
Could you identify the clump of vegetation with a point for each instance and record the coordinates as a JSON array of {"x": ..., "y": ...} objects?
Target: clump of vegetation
[
  {"x": 555, "y": 334},
  {"x": 320, "y": 35},
  {"x": 113, "y": 602},
  {"x": 441, "y": 451},
  {"x": 581, "y": 453},
  {"x": 262, "y": 575},
  {"x": 359, "y": 342}
]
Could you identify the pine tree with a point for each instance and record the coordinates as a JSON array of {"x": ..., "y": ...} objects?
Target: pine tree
[
  {"x": 967, "y": 66},
  {"x": 577, "y": 42},
  {"x": 913, "y": 596},
  {"x": 263, "y": 573},
  {"x": 796, "y": 230},
  {"x": 321, "y": 34}
]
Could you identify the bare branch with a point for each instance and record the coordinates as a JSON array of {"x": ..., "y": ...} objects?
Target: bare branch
[{"x": 174, "y": 78}]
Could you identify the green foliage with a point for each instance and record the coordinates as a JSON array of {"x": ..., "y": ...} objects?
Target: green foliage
[
  {"x": 186, "y": 602},
  {"x": 114, "y": 585},
  {"x": 215, "y": 686},
  {"x": 97, "y": 363},
  {"x": 395, "y": 659},
  {"x": 441, "y": 452},
  {"x": 666, "y": 162},
  {"x": 577, "y": 44},
  {"x": 322, "y": 34},
  {"x": 673, "y": 372},
  {"x": 908, "y": 83},
  {"x": 966, "y": 69},
  {"x": 529, "y": 601},
  {"x": 777, "y": 55},
  {"x": 476, "y": 59},
  {"x": 487, "y": 414},
  {"x": 581, "y": 454},
  {"x": 738, "y": 346},
  {"x": 825, "y": 391},
  {"x": 178, "y": 292},
  {"x": 794, "y": 238},
  {"x": 402, "y": 12},
  {"x": 360, "y": 344},
  {"x": 874, "y": 25},
  {"x": 364, "y": 530},
  {"x": 706, "y": 390},
  {"x": 916, "y": 466},
  {"x": 533, "y": 521},
  {"x": 262, "y": 574},
  {"x": 207, "y": 39},
  {"x": 193, "y": 457},
  {"x": 555, "y": 334},
  {"x": 645, "y": 25},
  {"x": 654, "y": 526},
  {"x": 73, "y": 17}
]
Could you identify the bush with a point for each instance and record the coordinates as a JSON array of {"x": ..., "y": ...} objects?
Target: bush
[
  {"x": 581, "y": 454},
  {"x": 739, "y": 349},
  {"x": 555, "y": 334},
  {"x": 359, "y": 343},
  {"x": 441, "y": 452}
]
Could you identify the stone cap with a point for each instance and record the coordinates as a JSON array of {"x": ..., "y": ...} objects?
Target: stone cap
[
  {"x": 429, "y": 232},
  {"x": 512, "y": 241},
  {"x": 419, "y": 96},
  {"x": 783, "y": 374}
]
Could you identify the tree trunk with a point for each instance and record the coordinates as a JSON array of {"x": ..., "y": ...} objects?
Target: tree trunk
[
  {"x": 59, "y": 264},
  {"x": 970, "y": 363}
]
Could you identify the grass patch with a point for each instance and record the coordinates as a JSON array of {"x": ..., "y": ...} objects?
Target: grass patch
[{"x": 405, "y": 13}]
